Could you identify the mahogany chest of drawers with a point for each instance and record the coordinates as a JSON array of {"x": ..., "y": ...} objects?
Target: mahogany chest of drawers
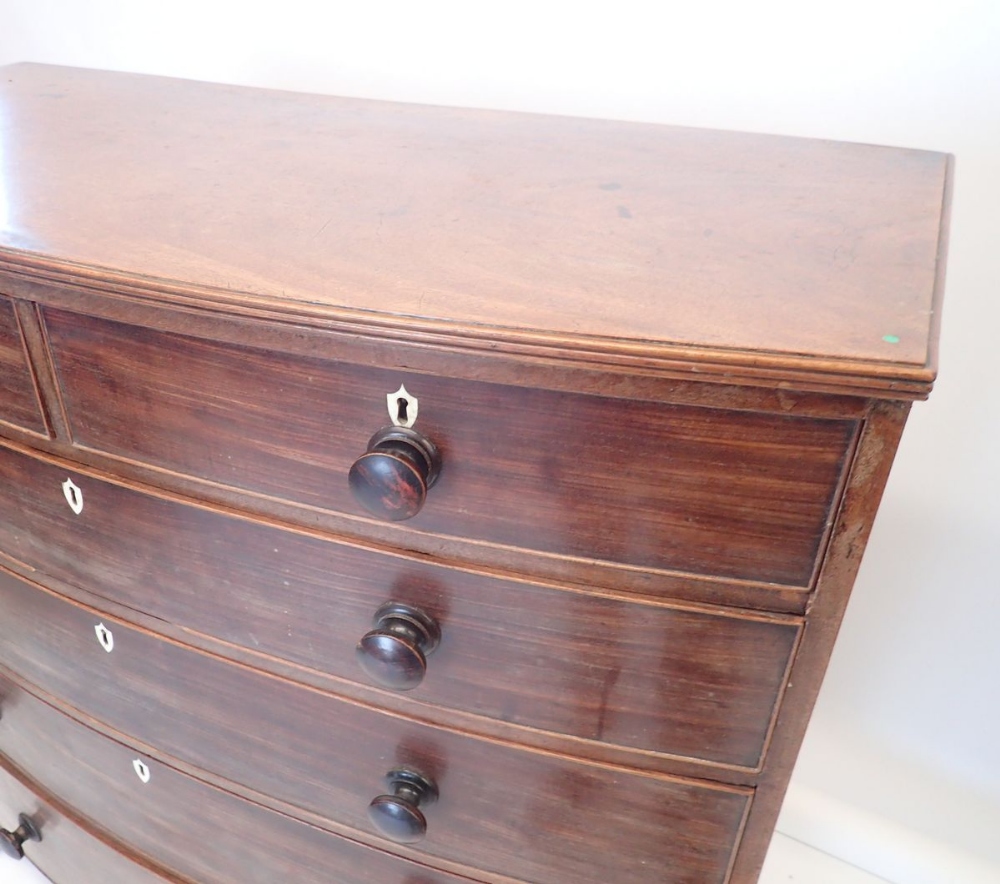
[{"x": 406, "y": 495}]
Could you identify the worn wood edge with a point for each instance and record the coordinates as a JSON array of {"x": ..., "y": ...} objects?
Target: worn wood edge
[
  {"x": 14, "y": 564},
  {"x": 738, "y": 840},
  {"x": 292, "y": 811},
  {"x": 779, "y": 700},
  {"x": 52, "y": 803},
  {"x": 941, "y": 264},
  {"x": 795, "y": 371},
  {"x": 473, "y": 556},
  {"x": 408, "y": 707},
  {"x": 17, "y": 428},
  {"x": 869, "y": 475},
  {"x": 850, "y": 454}
]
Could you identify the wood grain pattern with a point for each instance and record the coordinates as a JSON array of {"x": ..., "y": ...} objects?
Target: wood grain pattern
[
  {"x": 653, "y": 677},
  {"x": 529, "y": 815},
  {"x": 693, "y": 490},
  {"x": 667, "y": 370},
  {"x": 197, "y": 831},
  {"x": 19, "y": 404},
  {"x": 70, "y": 849},
  {"x": 801, "y": 252}
]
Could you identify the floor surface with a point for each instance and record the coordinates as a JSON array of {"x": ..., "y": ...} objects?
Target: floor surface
[{"x": 789, "y": 862}]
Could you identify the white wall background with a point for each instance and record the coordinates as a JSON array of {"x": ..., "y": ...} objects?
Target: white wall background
[{"x": 900, "y": 771}]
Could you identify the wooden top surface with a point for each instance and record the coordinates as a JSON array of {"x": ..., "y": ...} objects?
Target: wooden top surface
[{"x": 584, "y": 236}]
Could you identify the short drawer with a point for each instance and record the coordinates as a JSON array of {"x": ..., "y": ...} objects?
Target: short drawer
[
  {"x": 672, "y": 488},
  {"x": 190, "y": 827},
  {"x": 649, "y": 676},
  {"x": 70, "y": 851},
  {"x": 531, "y": 815},
  {"x": 19, "y": 403}
]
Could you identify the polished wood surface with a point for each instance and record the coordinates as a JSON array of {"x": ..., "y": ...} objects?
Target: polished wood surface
[
  {"x": 19, "y": 402},
  {"x": 512, "y": 226},
  {"x": 663, "y": 373},
  {"x": 197, "y": 831},
  {"x": 533, "y": 816},
  {"x": 696, "y": 490},
  {"x": 654, "y": 677}
]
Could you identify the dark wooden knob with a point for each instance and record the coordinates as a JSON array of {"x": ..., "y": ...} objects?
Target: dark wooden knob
[
  {"x": 394, "y": 654},
  {"x": 12, "y": 842},
  {"x": 397, "y": 816},
  {"x": 391, "y": 478}
]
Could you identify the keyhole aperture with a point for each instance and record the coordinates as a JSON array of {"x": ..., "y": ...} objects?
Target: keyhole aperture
[{"x": 402, "y": 407}]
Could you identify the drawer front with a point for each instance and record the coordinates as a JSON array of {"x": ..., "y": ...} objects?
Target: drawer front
[
  {"x": 176, "y": 819},
  {"x": 669, "y": 487},
  {"x": 531, "y": 815},
  {"x": 69, "y": 852},
  {"x": 647, "y": 676},
  {"x": 19, "y": 403}
]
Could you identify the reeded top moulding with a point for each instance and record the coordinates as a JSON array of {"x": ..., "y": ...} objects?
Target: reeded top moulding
[{"x": 737, "y": 257}]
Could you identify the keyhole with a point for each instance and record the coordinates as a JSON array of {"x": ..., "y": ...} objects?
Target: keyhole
[
  {"x": 141, "y": 770},
  {"x": 105, "y": 637},
  {"x": 73, "y": 495},
  {"x": 402, "y": 407}
]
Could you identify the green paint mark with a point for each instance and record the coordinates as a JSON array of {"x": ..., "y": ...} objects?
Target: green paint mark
[{"x": 891, "y": 339}]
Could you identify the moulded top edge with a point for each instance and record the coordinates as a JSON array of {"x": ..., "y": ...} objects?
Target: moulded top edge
[{"x": 717, "y": 247}]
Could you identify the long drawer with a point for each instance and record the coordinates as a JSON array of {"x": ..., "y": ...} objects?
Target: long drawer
[
  {"x": 650, "y": 676},
  {"x": 673, "y": 488},
  {"x": 183, "y": 824},
  {"x": 530, "y": 815},
  {"x": 68, "y": 850}
]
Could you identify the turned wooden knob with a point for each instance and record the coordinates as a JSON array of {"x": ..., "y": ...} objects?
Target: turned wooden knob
[
  {"x": 394, "y": 654},
  {"x": 397, "y": 816},
  {"x": 391, "y": 478},
  {"x": 12, "y": 842}
]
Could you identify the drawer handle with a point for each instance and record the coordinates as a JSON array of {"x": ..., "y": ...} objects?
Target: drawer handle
[
  {"x": 392, "y": 477},
  {"x": 398, "y": 816},
  {"x": 12, "y": 842},
  {"x": 394, "y": 654}
]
